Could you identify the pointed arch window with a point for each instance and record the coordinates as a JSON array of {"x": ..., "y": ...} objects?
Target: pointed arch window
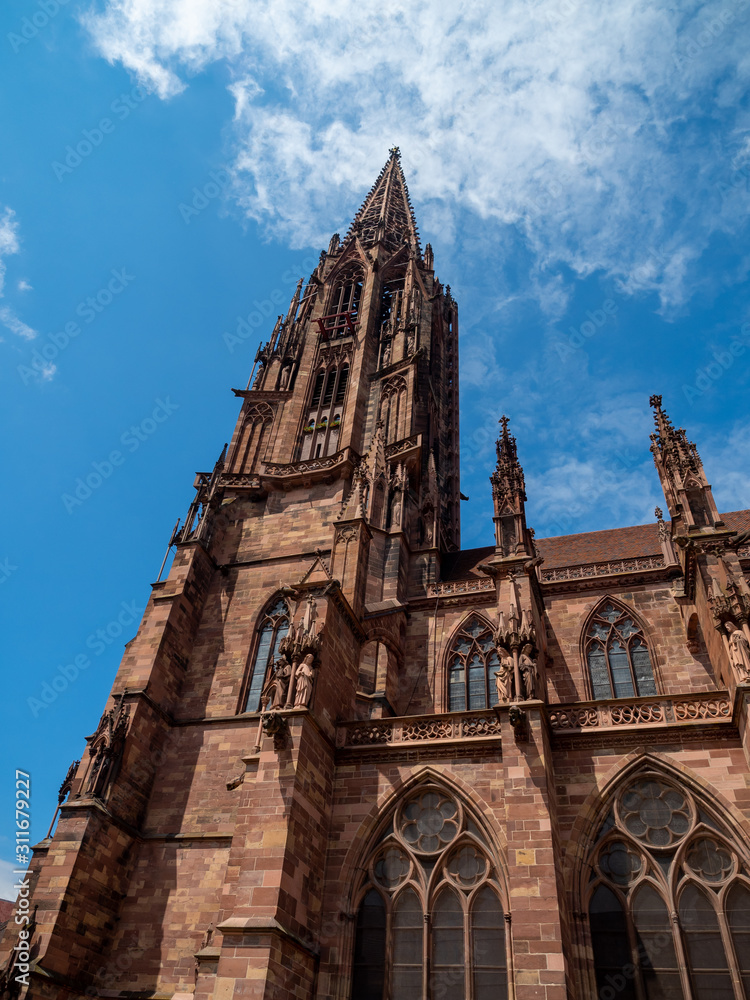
[
  {"x": 343, "y": 305},
  {"x": 617, "y": 654},
  {"x": 668, "y": 898},
  {"x": 432, "y": 859},
  {"x": 472, "y": 662},
  {"x": 272, "y": 629},
  {"x": 321, "y": 431}
]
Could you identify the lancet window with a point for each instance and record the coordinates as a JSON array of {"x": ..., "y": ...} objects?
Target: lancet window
[
  {"x": 668, "y": 897},
  {"x": 617, "y": 654},
  {"x": 430, "y": 861},
  {"x": 255, "y": 432},
  {"x": 343, "y": 306},
  {"x": 393, "y": 409},
  {"x": 472, "y": 662},
  {"x": 273, "y": 627},
  {"x": 321, "y": 431}
]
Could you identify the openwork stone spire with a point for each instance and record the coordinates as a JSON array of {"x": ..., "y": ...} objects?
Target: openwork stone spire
[
  {"x": 674, "y": 449},
  {"x": 509, "y": 495},
  {"x": 686, "y": 490},
  {"x": 386, "y": 214}
]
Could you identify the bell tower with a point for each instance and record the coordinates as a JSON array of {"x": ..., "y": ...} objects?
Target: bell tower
[
  {"x": 359, "y": 381},
  {"x": 283, "y": 614}
]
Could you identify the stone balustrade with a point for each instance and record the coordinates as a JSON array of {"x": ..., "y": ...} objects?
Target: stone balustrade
[
  {"x": 707, "y": 706},
  {"x": 704, "y": 707},
  {"x": 420, "y": 729},
  {"x": 609, "y": 568}
]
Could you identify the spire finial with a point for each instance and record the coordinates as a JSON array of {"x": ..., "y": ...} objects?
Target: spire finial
[{"x": 395, "y": 151}]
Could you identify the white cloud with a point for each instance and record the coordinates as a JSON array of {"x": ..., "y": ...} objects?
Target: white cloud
[
  {"x": 24, "y": 286},
  {"x": 726, "y": 462},
  {"x": 15, "y": 325},
  {"x": 550, "y": 116},
  {"x": 8, "y": 241},
  {"x": 9, "y": 244}
]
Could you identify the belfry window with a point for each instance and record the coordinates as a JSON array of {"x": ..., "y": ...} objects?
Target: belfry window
[
  {"x": 431, "y": 860},
  {"x": 472, "y": 662},
  {"x": 321, "y": 430},
  {"x": 273, "y": 627},
  {"x": 343, "y": 306},
  {"x": 617, "y": 654},
  {"x": 668, "y": 899}
]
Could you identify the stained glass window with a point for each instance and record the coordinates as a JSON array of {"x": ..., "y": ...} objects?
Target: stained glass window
[
  {"x": 617, "y": 654},
  {"x": 273, "y": 628},
  {"x": 431, "y": 859},
  {"x": 472, "y": 662},
  {"x": 668, "y": 903}
]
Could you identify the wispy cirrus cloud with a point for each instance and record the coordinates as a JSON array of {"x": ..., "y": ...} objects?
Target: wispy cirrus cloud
[
  {"x": 547, "y": 116},
  {"x": 9, "y": 245}
]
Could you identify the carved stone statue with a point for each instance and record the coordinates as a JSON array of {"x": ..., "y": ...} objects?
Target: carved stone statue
[
  {"x": 278, "y": 685},
  {"x": 285, "y": 373},
  {"x": 386, "y": 355},
  {"x": 303, "y": 690},
  {"x": 739, "y": 651},
  {"x": 529, "y": 673},
  {"x": 504, "y": 678}
]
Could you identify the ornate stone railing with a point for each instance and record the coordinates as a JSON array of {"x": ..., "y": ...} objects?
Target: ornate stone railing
[
  {"x": 405, "y": 444},
  {"x": 460, "y": 587},
  {"x": 608, "y": 568},
  {"x": 278, "y": 469},
  {"x": 707, "y": 706},
  {"x": 419, "y": 729},
  {"x": 239, "y": 480}
]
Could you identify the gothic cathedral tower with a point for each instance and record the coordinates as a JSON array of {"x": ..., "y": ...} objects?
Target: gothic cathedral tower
[{"x": 344, "y": 760}]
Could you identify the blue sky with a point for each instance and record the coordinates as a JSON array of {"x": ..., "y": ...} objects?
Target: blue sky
[{"x": 583, "y": 176}]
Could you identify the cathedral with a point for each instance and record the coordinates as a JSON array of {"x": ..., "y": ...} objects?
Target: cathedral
[{"x": 344, "y": 759}]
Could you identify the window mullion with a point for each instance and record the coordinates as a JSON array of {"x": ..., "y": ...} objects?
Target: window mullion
[
  {"x": 680, "y": 951},
  {"x": 633, "y": 679},
  {"x": 638, "y": 979},
  {"x": 726, "y": 936},
  {"x": 426, "y": 955},
  {"x": 468, "y": 954}
]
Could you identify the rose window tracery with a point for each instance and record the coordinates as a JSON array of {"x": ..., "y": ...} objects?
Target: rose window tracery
[
  {"x": 391, "y": 868},
  {"x": 431, "y": 858},
  {"x": 429, "y": 822},
  {"x": 668, "y": 896},
  {"x": 655, "y": 812}
]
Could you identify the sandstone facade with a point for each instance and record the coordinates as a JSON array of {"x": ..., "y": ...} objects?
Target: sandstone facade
[{"x": 397, "y": 820}]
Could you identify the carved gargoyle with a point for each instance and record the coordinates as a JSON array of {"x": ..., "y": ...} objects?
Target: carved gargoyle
[
  {"x": 275, "y": 725},
  {"x": 517, "y": 719}
]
